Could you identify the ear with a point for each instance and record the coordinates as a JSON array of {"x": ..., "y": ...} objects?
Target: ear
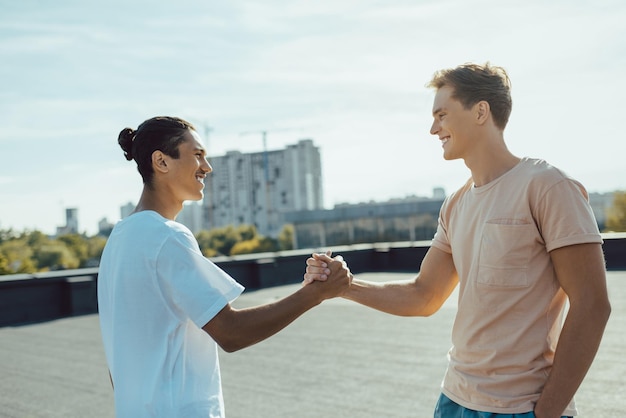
[
  {"x": 159, "y": 162},
  {"x": 482, "y": 111}
]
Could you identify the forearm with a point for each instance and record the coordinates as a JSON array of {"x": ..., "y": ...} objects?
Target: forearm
[
  {"x": 577, "y": 347},
  {"x": 402, "y": 298},
  {"x": 252, "y": 325}
]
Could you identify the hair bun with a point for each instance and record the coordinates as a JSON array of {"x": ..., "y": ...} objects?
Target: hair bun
[{"x": 125, "y": 139}]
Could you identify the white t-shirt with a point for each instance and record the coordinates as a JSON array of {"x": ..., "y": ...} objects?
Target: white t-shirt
[
  {"x": 511, "y": 305},
  {"x": 155, "y": 293}
]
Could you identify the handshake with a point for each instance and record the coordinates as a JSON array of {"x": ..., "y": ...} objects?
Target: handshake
[{"x": 331, "y": 275}]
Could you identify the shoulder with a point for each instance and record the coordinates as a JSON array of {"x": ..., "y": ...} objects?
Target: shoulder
[
  {"x": 179, "y": 235},
  {"x": 542, "y": 170},
  {"x": 150, "y": 227},
  {"x": 458, "y": 194},
  {"x": 543, "y": 176}
]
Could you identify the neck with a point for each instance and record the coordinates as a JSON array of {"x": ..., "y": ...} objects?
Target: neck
[
  {"x": 153, "y": 200},
  {"x": 490, "y": 161}
]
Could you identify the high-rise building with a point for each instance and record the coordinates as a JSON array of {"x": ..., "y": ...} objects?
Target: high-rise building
[
  {"x": 257, "y": 188},
  {"x": 71, "y": 222}
]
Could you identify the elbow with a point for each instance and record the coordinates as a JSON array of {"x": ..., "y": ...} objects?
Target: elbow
[
  {"x": 230, "y": 345},
  {"x": 600, "y": 311},
  {"x": 602, "y": 307},
  {"x": 428, "y": 310},
  {"x": 230, "y": 348},
  {"x": 606, "y": 310}
]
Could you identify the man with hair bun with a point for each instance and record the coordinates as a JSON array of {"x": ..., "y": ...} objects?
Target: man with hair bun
[
  {"x": 164, "y": 308},
  {"x": 520, "y": 241}
]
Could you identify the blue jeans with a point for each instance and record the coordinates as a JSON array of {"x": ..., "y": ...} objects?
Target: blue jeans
[{"x": 447, "y": 408}]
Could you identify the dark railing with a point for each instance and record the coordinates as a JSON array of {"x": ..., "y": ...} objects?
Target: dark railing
[{"x": 27, "y": 298}]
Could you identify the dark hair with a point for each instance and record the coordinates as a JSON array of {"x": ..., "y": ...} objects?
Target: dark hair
[
  {"x": 473, "y": 83},
  {"x": 163, "y": 133}
]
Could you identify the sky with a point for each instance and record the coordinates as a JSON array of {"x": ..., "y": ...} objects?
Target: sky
[{"x": 348, "y": 74}]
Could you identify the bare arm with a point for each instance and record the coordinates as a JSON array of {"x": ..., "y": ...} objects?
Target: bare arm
[
  {"x": 581, "y": 273},
  {"x": 234, "y": 329},
  {"x": 421, "y": 296}
]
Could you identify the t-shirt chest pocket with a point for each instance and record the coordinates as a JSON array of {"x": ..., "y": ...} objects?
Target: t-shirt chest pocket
[{"x": 505, "y": 250}]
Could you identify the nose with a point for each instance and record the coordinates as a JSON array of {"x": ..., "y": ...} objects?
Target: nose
[
  {"x": 206, "y": 167},
  {"x": 434, "y": 128}
]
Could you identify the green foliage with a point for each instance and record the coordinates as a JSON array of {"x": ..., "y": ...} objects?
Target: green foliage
[
  {"x": 33, "y": 251},
  {"x": 246, "y": 247},
  {"x": 77, "y": 245},
  {"x": 285, "y": 238},
  {"x": 18, "y": 255},
  {"x": 229, "y": 240},
  {"x": 616, "y": 219},
  {"x": 4, "y": 265},
  {"x": 55, "y": 255},
  {"x": 220, "y": 241},
  {"x": 246, "y": 232},
  {"x": 95, "y": 246},
  {"x": 256, "y": 245},
  {"x": 36, "y": 239},
  {"x": 7, "y": 235}
]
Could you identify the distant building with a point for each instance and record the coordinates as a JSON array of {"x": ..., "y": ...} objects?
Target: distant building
[
  {"x": 127, "y": 209},
  {"x": 258, "y": 188},
  {"x": 410, "y": 219},
  {"x": 71, "y": 222},
  {"x": 105, "y": 227},
  {"x": 192, "y": 216}
]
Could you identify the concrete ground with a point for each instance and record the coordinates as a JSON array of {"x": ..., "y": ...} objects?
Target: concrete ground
[{"x": 338, "y": 360}]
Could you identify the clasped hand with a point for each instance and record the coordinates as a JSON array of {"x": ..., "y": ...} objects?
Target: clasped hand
[{"x": 322, "y": 268}]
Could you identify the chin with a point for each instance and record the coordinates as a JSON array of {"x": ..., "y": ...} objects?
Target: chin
[
  {"x": 195, "y": 197},
  {"x": 450, "y": 157}
]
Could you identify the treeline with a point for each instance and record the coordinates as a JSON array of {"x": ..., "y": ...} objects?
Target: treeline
[
  {"x": 616, "y": 216},
  {"x": 34, "y": 251},
  {"x": 242, "y": 239}
]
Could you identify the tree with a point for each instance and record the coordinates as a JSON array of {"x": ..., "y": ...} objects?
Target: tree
[
  {"x": 18, "y": 255},
  {"x": 29, "y": 252},
  {"x": 230, "y": 240},
  {"x": 7, "y": 235},
  {"x": 246, "y": 232},
  {"x": 245, "y": 247},
  {"x": 256, "y": 245},
  {"x": 56, "y": 255},
  {"x": 4, "y": 265},
  {"x": 77, "y": 244},
  {"x": 285, "y": 238},
  {"x": 616, "y": 216},
  {"x": 95, "y": 246},
  {"x": 218, "y": 241}
]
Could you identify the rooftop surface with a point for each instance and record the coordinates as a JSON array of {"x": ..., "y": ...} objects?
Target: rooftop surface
[{"x": 338, "y": 360}]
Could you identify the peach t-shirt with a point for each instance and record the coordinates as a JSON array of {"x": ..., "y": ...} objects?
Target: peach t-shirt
[{"x": 510, "y": 307}]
